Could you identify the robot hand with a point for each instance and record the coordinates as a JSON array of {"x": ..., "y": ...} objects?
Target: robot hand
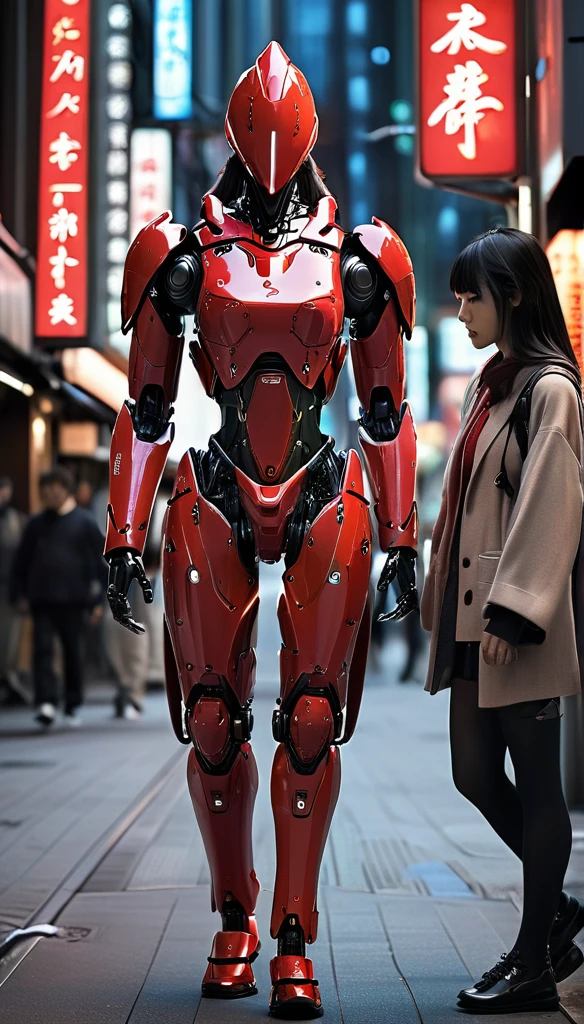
[
  {"x": 401, "y": 566},
  {"x": 125, "y": 566}
]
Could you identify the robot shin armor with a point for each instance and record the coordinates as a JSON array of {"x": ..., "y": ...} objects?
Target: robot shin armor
[
  {"x": 223, "y": 807},
  {"x": 222, "y": 778},
  {"x": 303, "y": 807}
]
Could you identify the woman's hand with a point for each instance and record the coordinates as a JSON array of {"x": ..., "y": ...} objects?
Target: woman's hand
[{"x": 496, "y": 651}]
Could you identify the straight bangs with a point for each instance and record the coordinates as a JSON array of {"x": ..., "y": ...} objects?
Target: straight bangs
[
  {"x": 467, "y": 271},
  {"x": 510, "y": 263}
]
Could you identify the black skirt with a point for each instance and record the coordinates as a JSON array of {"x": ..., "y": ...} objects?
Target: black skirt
[{"x": 466, "y": 660}]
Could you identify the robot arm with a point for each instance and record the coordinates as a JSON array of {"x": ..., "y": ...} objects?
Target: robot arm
[
  {"x": 378, "y": 285},
  {"x": 161, "y": 281}
]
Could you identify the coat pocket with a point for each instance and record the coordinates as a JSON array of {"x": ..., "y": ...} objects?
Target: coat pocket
[{"x": 488, "y": 564}]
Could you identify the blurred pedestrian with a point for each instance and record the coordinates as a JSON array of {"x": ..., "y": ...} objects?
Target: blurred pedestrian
[
  {"x": 59, "y": 575},
  {"x": 129, "y": 657},
  {"x": 498, "y": 596},
  {"x": 11, "y": 526},
  {"x": 84, "y": 495}
]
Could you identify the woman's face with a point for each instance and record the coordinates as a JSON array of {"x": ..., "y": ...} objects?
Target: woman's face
[{"x": 479, "y": 316}]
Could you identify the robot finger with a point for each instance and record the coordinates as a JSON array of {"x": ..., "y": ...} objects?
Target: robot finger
[
  {"x": 406, "y": 603},
  {"x": 389, "y": 571},
  {"x": 145, "y": 584},
  {"x": 135, "y": 627},
  {"x": 130, "y": 623}
]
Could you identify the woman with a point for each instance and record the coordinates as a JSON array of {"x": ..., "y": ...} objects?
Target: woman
[{"x": 497, "y": 598}]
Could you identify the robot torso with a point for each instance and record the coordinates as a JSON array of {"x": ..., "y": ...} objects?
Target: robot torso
[{"x": 270, "y": 319}]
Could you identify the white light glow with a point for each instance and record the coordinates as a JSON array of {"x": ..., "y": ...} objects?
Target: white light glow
[
  {"x": 119, "y": 16},
  {"x": 39, "y": 431},
  {"x": 18, "y": 385},
  {"x": 273, "y": 163},
  {"x": 524, "y": 218}
]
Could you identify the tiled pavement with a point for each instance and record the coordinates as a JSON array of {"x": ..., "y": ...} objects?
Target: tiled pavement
[{"x": 97, "y": 835}]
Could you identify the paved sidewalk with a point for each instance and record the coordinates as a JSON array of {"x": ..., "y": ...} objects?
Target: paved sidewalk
[{"x": 97, "y": 835}]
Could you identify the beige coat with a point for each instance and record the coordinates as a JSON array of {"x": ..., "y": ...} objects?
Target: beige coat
[{"x": 517, "y": 553}]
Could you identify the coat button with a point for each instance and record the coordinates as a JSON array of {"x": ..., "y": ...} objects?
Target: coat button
[
  {"x": 468, "y": 597},
  {"x": 465, "y": 563}
]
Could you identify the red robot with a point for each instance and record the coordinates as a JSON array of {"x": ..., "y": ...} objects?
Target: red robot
[{"x": 269, "y": 275}]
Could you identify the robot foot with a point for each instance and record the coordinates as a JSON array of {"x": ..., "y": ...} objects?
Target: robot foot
[
  {"x": 294, "y": 994},
  {"x": 230, "y": 974}
]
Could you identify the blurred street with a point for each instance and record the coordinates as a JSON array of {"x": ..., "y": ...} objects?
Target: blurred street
[{"x": 97, "y": 835}]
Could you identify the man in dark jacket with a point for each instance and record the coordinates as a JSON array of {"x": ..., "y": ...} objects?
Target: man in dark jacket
[{"x": 59, "y": 574}]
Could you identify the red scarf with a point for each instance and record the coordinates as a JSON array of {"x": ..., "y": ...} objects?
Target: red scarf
[
  {"x": 500, "y": 374},
  {"x": 495, "y": 383}
]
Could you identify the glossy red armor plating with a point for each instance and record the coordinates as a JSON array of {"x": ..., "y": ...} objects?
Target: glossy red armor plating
[
  {"x": 271, "y": 119},
  {"x": 269, "y": 346}
]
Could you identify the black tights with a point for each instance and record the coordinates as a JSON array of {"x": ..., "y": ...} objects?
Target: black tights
[{"x": 530, "y": 817}]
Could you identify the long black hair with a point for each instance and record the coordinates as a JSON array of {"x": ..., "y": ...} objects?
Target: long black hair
[
  {"x": 233, "y": 181},
  {"x": 510, "y": 262}
]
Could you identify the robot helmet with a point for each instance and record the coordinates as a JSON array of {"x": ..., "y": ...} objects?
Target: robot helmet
[{"x": 271, "y": 120}]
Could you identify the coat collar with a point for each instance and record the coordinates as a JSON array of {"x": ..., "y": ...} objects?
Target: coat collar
[{"x": 498, "y": 417}]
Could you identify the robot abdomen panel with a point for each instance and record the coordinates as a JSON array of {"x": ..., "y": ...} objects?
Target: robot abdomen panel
[{"x": 270, "y": 422}]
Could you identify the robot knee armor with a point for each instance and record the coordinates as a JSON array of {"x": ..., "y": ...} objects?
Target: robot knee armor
[
  {"x": 218, "y": 727},
  {"x": 308, "y": 722}
]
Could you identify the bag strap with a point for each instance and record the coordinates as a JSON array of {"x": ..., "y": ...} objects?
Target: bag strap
[{"x": 519, "y": 422}]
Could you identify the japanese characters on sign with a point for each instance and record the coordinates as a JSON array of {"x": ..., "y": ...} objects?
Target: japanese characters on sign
[
  {"x": 467, "y": 89},
  {"x": 150, "y": 176},
  {"x": 118, "y": 103},
  {"x": 61, "y": 282},
  {"x": 173, "y": 61}
]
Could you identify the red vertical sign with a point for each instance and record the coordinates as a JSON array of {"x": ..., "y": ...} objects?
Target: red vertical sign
[
  {"x": 468, "y": 89},
  {"x": 61, "y": 279}
]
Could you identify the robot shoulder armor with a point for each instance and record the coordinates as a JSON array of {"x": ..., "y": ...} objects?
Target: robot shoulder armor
[
  {"x": 146, "y": 255},
  {"x": 390, "y": 253}
]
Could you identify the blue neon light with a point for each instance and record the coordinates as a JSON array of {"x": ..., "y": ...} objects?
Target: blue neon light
[
  {"x": 357, "y": 18},
  {"x": 358, "y": 92},
  {"x": 380, "y": 55},
  {"x": 173, "y": 59},
  {"x": 357, "y": 164}
]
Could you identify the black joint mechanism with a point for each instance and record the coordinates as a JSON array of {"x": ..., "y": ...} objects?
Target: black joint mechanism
[
  {"x": 151, "y": 413},
  {"x": 223, "y": 961},
  {"x": 183, "y": 278},
  {"x": 291, "y": 981},
  {"x": 382, "y": 421},
  {"x": 242, "y": 725},
  {"x": 280, "y": 726},
  {"x": 359, "y": 284}
]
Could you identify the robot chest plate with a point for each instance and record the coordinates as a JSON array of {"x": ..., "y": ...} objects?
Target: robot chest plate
[{"x": 254, "y": 301}]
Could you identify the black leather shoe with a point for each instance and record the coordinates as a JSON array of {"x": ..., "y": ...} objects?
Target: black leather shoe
[
  {"x": 511, "y": 988},
  {"x": 565, "y": 955}
]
